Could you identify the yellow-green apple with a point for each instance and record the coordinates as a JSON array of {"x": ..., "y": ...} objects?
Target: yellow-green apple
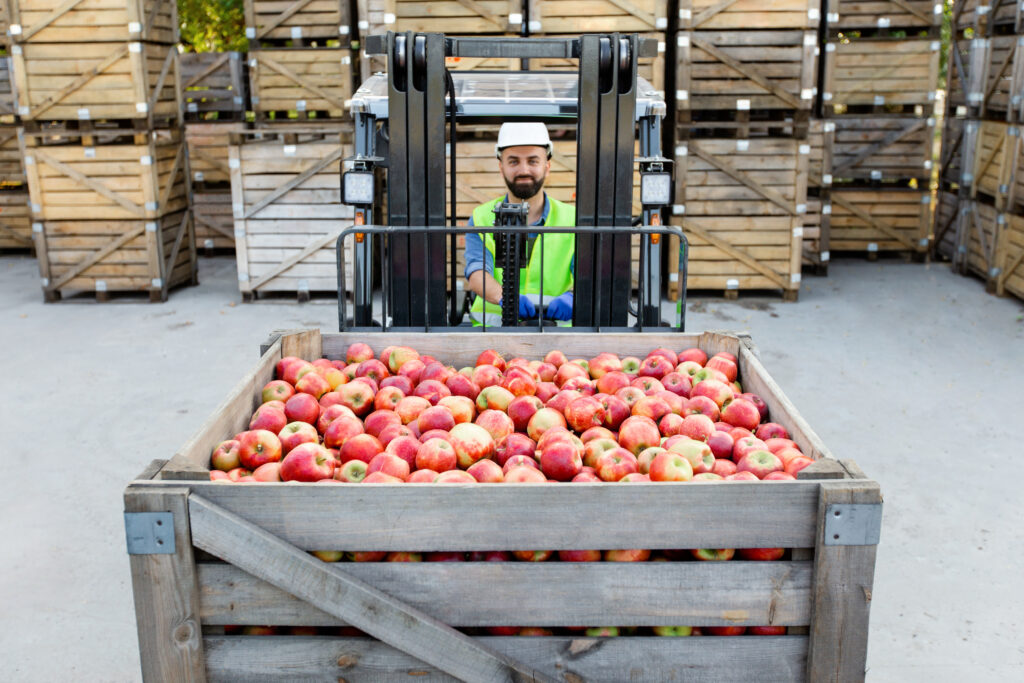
[
  {"x": 708, "y": 476},
  {"x": 513, "y": 444},
  {"x": 635, "y": 477},
  {"x": 269, "y": 418},
  {"x": 613, "y": 465},
  {"x": 437, "y": 455},
  {"x": 760, "y": 463},
  {"x": 543, "y": 420},
  {"x": 648, "y": 385},
  {"x": 521, "y": 409},
  {"x": 721, "y": 444},
  {"x": 328, "y": 555},
  {"x": 460, "y": 385},
  {"x": 647, "y": 456},
  {"x": 462, "y": 408},
  {"x": 524, "y": 474},
  {"x": 514, "y": 461},
  {"x": 533, "y": 555},
  {"x": 520, "y": 382},
  {"x": 710, "y": 373},
  {"x": 724, "y": 365},
  {"x": 486, "y": 472},
  {"x": 587, "y": 476},
  {"x": 602, "y": 632},
  {"x": 746, "y": 445},
  {"x": 673, "y": 631},
  {"x": 399, "y": 382},
  {"x": 491, "y": 357},
  {"x": 341, "y": 430},
  {"x": 678, "y": 383},
  {"x": 225, "y": 455},
  {"x": 389, "y": 464},
  {"x": 637, "y": 433},
  {"x": 361, "y": 447},
  {"x": 567, "y": 371},
  {"x": 560, "y": 461},
  {"x": 583, "y": 386},
  {"x": 713, "y": 554},
  {"x": 655, "y": 366},
  {"x": 270, "y": 471},
  {"x": 584, "y": 412},
  {"x": 472, "y": 443},
  {"x": 630, "y": 365},
  {"x": 702, "y": 405},
  {"x": 697, "y": 453},
  {"x": 296, "y": 433},
  {"x": 494, "y": 397},
  {"x": 798, "y": 463},
  {"x": 404, "y": 557},
  {"x": 598, "y": 432},
  {"x": 454, "y": 477},
  {"x": 405, "y": 447},
  {"x": 258, "y": 446},
  {"x": 422, "y": 477},
  {"x": 579, "y": 555},
  {"x": 410, "y": 407},
  {"x": 435, "y": 417},
  {"x": 653, "y": 407},
  {"x": 400, "y": 355},
  {"x": 761, "y": 554},
  {"x": 689, "y": 368},
  {"x": 333, "y": 376},
  {"x": 670, "y": 466},
  {"x": 307, "y": 462},
  {"x": 393, "y": 432},
  {"x": 741, "y": 476},
  {"x": 432, "y": 390},
  {"x": 358, "y": 352},
  {"x": 498, "y": 424},
  {"x": 633, "y": 555},
  {"x": 381, "y": 478},
  {"x": 295, "y": 371},
  {"x": 670, "y": 424},
  {"x": 699, "y": 427},
  {"x": 741, "y": 413},
  {"x": 556, "y": 358},
  {"x": 277, "y": 390}
]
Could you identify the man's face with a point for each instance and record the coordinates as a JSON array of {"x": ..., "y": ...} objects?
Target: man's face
[{"x": 524, "y": 168}]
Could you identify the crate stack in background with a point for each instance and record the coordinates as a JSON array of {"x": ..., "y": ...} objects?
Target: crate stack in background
[
  {"x": 878, "y": 93},
  {"x": 215, "y": 97},
  {"x": 742, "y": 102},
  {"x": 98, "y": 97},
  {"x": 284, "y": 169},
  {"x": 15, "y": 224},
  {"x": 979, "y": 222}
]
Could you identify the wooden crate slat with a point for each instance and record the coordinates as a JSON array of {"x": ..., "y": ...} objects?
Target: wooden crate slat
[
  {"x": 214, "y": 82},
  {"x": 702, "y": 660},
  {"x": 597, "y": 16},
  {"x": 301, "y": 80},
  {"x": 745, "y": 14},
  {"x": 880, "y": 220},
  {"x": 456, "y": 17},
  {"x": 270, "y": 22},
  {"x": 882, "y": 148},
  {"x": 102, "y": 81},
  {"x": 15, "y": 223},
  {"x": 214, "y": 222},
  {"x": 82, "y": 21},
  {"x": 758, "y": 69},
  {"x": 880, "y": 73}
]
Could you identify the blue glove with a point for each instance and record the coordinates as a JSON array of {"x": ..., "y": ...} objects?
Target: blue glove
[
  {"x": 560, "y": 307},
  {"x": 526, "y": 308}
]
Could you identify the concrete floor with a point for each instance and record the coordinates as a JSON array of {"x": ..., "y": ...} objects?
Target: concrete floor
[{"x": 910, "y": 370}]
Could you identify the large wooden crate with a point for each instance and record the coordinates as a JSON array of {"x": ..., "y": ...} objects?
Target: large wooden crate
[
  {"x": 214, "y": 221},
  {"x": 947, "y": 212},
  {"x": 214, "y": 86},
  {"x": 237, "y": 555},
  {"x": 8, "y": 98},
  {"x": 12, "y": 167},
  {"x": 966, "y": 67},
  {"x": 741, "y": 204},
  {"x": 846, "y": 15},
  {"x": 882, "y": 149},
  {"x": 92, "y": 21},
  {"x": 1010, "y": 258},
  {"x": 293, "y": 82},
  {"x": 876, "y": 75},
  {"x": 874, "y": 220},
  {"x": 144, "y": 179},
  {"x": 986, "y": 17},
  {"x": 998, "y": 87},
  {"x": 107, "y": 256},
  {"x": 208, "y": 152},
  {"x": 977, "y": 235},
  {"x": 996, "y": 159},
  {"x": 286, "y": 202},
  {"x": 553, "y": 17},
  {"x": 136, "y": 81},
  {"x": 745, "y": 70},
  {"x": 274, "y": 23},
  {"x": 15, "y": 223}
]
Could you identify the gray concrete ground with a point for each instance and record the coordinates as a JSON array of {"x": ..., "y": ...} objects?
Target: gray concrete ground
[{"x": 910, "y": 370}]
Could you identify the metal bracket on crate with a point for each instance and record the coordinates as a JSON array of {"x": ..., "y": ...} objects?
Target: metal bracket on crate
[
  {"x": 149, "y": 533},
  {"x": 853, "y": 524}
]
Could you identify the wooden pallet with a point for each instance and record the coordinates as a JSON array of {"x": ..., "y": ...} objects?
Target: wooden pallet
[
  {"x": 882, "y": 149},
  {"x": 295, "y": 82},
  {"x": 240, "y": 557},
  {"x": 15, "y": 223},
  {"x": 745, "y": 70},
  {"x": 208, "y": 152},
  {"x": 1010, "y": 258},
  {"x": 742, "y": 205},
  {"x": 214, "y": 221},
  {"x": 847, "y": 15},
  {"x": 272, "y": 23},
  {"x": 868, "y": 76},
  {"x": 562, "y": 17},
  {"x": 108, "y": 256},
  {"x": 986, "y": 17},
  {"x": 89, "y": 21},
  {"x": 126, "y": 81},
  {"x": 286, "y": 201},
  {"x": 871, "y": 221},
  {"x": 214, "y": 86},
  {"x": 12, "y": 167},
  {"x": 144, "y": 180}
]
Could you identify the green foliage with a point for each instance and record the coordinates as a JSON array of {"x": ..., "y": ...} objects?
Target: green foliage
[
  {"x": 947, "y": 38},
  {"x": 212, "y": 25}
]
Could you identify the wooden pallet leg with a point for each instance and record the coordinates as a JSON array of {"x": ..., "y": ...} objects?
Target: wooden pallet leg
[
  {"x": 302, "y": 296},
  {"x": 157, "y": 296},
  {"x": 872, "y": 256},
  {"x": 51, "y": 296},
  {"x": 731, "y": 294},
  {"x": 102, "y": 297},
  {"x": 791, "y": 295}
]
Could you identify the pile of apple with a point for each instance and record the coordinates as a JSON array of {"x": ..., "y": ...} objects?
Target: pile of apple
[{"x": 404, "y": 417}]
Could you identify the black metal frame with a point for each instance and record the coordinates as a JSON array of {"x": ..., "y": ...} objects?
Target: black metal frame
[{"x": 363, "y": 315}]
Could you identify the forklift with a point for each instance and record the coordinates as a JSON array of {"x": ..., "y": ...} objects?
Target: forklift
[{"x": 400, "y": 120}]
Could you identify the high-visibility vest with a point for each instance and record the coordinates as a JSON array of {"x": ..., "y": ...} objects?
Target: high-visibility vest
[{"x": 559, "y": 249}]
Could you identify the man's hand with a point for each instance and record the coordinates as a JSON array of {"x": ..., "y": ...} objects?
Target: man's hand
[
  {"x": 526, "y": 308},
  {"x": 560, "y": 307}
]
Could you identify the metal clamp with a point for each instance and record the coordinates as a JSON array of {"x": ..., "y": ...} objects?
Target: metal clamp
[
  {"x": 853, "y": 524},
  {"x": 149, "y": 533}
]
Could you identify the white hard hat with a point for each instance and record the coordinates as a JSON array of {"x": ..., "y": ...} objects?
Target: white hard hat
[{"x": 523, "y": 133}]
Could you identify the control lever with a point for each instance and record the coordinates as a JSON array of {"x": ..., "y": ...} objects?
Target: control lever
[{"x": 511, "y": 253}]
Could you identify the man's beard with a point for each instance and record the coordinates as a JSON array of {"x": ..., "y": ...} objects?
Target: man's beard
[{"x": 524, "y": 189}]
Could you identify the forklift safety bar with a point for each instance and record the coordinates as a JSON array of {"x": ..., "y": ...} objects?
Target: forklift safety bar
[{"x": 512, "y": 47}]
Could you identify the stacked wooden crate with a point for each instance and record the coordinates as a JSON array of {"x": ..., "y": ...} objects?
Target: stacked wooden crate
[
  {"x": 215, "y": 88},
  {"x": 979, "y": 226},
  {"x": 284, "y": 170},
  {"x": 879, "y": 78},
  {"x": 742, "y": 101},
  {"x": 98, "y": 93},
  {"x": 15, "y": 225}
]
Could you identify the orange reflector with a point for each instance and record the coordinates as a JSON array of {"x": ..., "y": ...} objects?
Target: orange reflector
[
  {"x": 655, "y": 238},
  {"x": 359, "y": 237}
]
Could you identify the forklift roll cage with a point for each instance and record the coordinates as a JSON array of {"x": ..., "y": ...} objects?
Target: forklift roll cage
[{"x": 400, "y": 126}]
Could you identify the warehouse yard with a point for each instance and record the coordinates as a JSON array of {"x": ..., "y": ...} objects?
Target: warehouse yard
[{"x": 908, "y": 369}]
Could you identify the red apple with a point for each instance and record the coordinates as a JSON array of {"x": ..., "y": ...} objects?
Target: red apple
[
  {"x": 257, "y": 447},
  {"x": 329, "y": 415},
  {"x": 361, "y": 447},
  {"x": 635, "y": 555},
  {"x": 778, "y": 476},
  {"x": 630, "y": 395},
  {"x": 435, "y": 417},
  {"x": 374, "y": 369},
  {"x": 313, "y": 384},
  {"x": 635, "y": 477},
  {"x": 435, "y": 371},
  {"x": 237, "y": 474},
  {"x": 400, "y": 355},
  {"x": 579, "y": 555},
  {"x": 521, "y": 409},
  {"x": 746, "y": 445},
  {"x": 546, "y": 391},
  {"x": 612, "y": 381},
  {"x": 491, "y": 357},
  {"x": 393, "y": 432},
  {"x": 460, "y": 385},
  {"x": 421, "y": 477},
  {"x": 760, "y": 463},
  {"x": 560, "y": 461},
  {"x": 472, "y": 443},
  {"x": 742, "y": 413},
  {"x": 597, "y": 433},
  {"x": 713, "y": 554},
  {"x": 766, "y": 630},
  {"x": 295, "y": 371},
  {"x": 282, "y": 364},
  {"x": 405, "y": 447},
  {"x": 698, "y": 427},
  {"x": 651, "y": 406},
  {"x": 498, "y": 424},
  {"x": 604, "y": 363},
  {"x": 357, "y": 397},
  {"x": 463, "y": 408},
  {"x": 798, "y": 463},
  {"x": 302, "y": 408},
  {"x": 432, "y": 390},
  {"x": 543, "y": 420},
  {"x": 774, "y": 444},
  {"x": 670, "y": 425},
  {"x": 654, "y": 366},
  {"x": 646, "y": 457},
  {"x": 637, "y": 433},
  {"x": 587, "y": 476},
  {"x": 277, "y": 390},
  {"x": 786, "y": 454},
  {"x": 719, "y": 392},
  {"x": 513, "y": 444},
  {"x": 742, "y": 476},
  {"x": 519, "y": 382},
  {"x": 270, "y": 471},
  {"x": 387, "y": 398},
  {"x": 726, "y": 630},
  {"x": 580, "y": 385},
  {"x": 514, "y": 461},
  {"x": 341, "y": 430},
  {"x": 296, "y": 433},
  {"x": 410, "y": 407},
  {"x": 562, "y": 399},
  {"x": 721, "y": 444},
  {"x": 379, "y": 420},
  {"x": 486, "y": 472},
  {"x": 225, "y": 455},
  {"x": 669, "y": 466},
  {"x": 613, "y": 465},
  {"x": 762, "y": 407},
  {"x": 533, "y": 556},
  {"x": 583, "y": 413},
  {"x": 723, "y": 467},
  {"x": 389, "y": 464},
  {"x": 437, "y": 455},
  {"x": 486, "y": 376},
  {"x": 771, "y": 430},
  {"x": 400, "y": 382},
  {"x": 724, "y": 365},
  {"x": 702, "y": 405},
  {"x": 648, "y": 385},
  {"x": 567, "y": 371},
  {"x": 307, "y": 462},
  {"x": 269, "y": 418},
  {"x": 454, "y": 477},
  {"x": 381, "y": 478},
  {"x": 556, "y": 358},
  {"x": 358, "y": 352},
  {"x": 494, "y": 397},
  {"x": 524, "y": 475}
]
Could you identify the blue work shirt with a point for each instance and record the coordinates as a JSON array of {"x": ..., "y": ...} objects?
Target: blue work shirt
[{"x": 477, "y": 257}]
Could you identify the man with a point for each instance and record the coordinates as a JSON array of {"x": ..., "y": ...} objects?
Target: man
[{"x": 524, "y": 160}]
